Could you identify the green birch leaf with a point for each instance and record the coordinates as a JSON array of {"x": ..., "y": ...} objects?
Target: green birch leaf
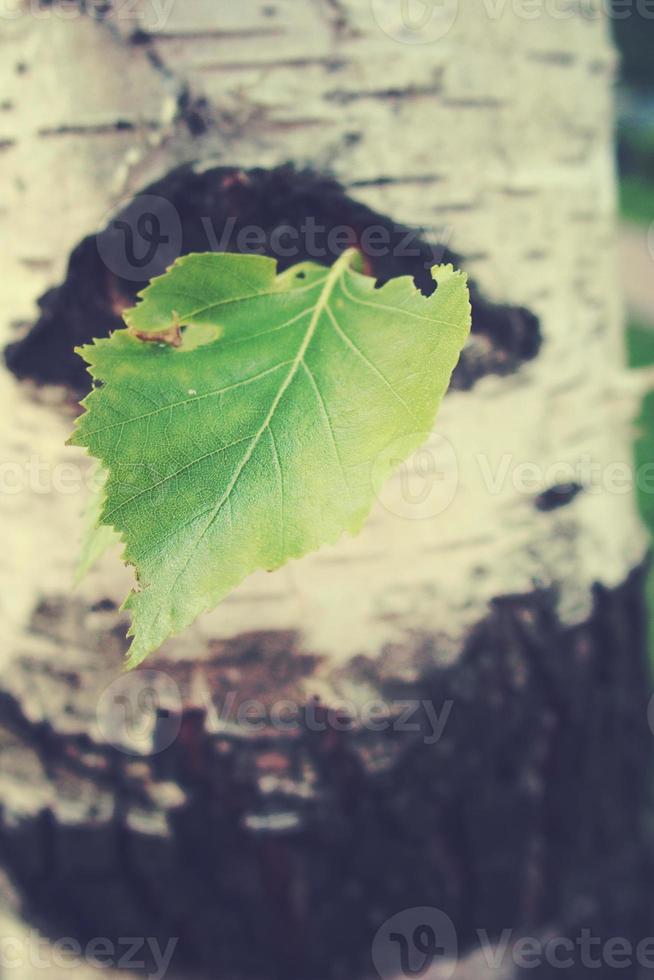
[{"x": 234, "y": 454}]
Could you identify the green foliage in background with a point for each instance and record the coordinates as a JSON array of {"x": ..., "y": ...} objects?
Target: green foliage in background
[
  {"x": 640, "y": 349},
  {"x": 637, "y": 200},
  {"x": 636, "y": 159}
]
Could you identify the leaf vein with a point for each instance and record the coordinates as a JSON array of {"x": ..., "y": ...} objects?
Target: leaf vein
[
  {"x": 188, "y": 401},
  {"x": 372, "y": 367},
  {"x": 328, "y": 422},
  {"x": 171, "y": 476},
  {"x": 395, "y": 309}
]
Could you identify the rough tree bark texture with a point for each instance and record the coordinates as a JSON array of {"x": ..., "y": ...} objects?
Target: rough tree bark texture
[{"x": 276, "y": 854}]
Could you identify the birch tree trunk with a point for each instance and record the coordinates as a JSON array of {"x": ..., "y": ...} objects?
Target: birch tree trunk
[{"x": 502, "y": 600}]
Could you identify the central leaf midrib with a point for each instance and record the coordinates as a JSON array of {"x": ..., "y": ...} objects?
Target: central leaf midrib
[{"x": 334, "y": 274}]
